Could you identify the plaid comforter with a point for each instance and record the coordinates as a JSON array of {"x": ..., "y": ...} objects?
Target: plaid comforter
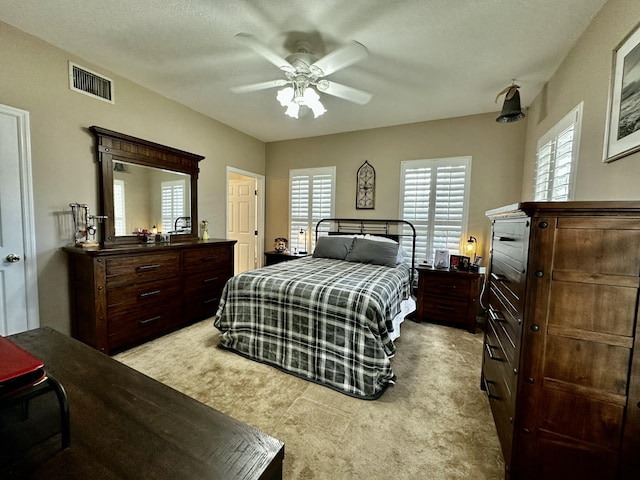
[{"x": 324, "y": 320}]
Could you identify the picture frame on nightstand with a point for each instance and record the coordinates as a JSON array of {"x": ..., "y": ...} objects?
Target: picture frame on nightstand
[{"x": 459, "y": 262}]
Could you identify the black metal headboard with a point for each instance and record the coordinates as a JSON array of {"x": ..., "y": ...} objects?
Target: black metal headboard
[{"x": 394, "y": 229}]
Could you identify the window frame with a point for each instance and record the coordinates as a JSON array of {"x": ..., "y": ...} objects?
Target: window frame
[
  {"x": 427, "y": 237},
  {"x": 165, "y": 219},
  {"x": 119, "y": 209},
  {"x": 571, "y": 119},
  {"x": 308, "y": 221}
]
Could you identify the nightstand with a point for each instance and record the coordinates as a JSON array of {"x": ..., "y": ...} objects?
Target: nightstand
[
  {"x": 448, "y": 296},
  {"x": 273, "y": 257}
]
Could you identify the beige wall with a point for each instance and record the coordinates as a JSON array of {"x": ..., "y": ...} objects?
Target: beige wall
[
  {"x": 584, "y": 76},
  {"x": 496, "y": 170},
  {"x": 34, "y": 77}
]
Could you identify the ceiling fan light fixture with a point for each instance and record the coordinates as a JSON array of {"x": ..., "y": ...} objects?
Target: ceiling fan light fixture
[
  {"x": 304, "y": 70},
  {"x": 285, "y": 96},
  {"x": 292, "y": 110},
  {"x": 298, "y": 96}
]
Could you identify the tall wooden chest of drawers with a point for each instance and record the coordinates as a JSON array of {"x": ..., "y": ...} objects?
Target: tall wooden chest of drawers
[
  {"x": 122, "y": 296},
  {"x": 561, "y": 363}
]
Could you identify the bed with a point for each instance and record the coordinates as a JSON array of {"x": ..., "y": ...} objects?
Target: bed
[{"x": 331, "y": 318}]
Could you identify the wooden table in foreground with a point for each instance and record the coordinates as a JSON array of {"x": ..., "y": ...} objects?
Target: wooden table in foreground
[{"x": 127, "y": 425}]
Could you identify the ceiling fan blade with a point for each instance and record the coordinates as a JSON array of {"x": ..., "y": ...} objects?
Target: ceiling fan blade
[
  {"x": 271, "y": 56},
  {"x": 348, "y": 93},
  {"x": 254, "y": 87},
  {"x": 342, "y": 57}
]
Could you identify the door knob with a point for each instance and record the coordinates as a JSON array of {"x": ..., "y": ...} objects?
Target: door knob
[{"x": 12, "y": 258}]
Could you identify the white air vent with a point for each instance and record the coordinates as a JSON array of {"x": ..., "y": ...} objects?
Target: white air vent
[{"x": 90, "y": 83}]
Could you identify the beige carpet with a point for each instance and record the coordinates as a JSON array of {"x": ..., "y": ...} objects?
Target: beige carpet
[{"x": 435, "y": 423}]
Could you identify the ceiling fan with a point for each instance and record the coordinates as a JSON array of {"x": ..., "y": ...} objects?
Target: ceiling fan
[{"x": 303, "y": 71}]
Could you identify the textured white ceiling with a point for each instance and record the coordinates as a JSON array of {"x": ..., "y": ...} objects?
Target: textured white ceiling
[{"x": 428, "y": 59}]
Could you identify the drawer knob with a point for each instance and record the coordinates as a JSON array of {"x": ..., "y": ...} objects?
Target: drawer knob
[
  {"x": 526, "y": 431},
  {"x": 539, "y": 274},
  {"x": 535, "y": 328},
  {"x": 543, "y": 224},
  {"x": 531, "y": 380}
]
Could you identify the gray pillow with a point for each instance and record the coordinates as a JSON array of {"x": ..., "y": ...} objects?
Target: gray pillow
[
  {"x": 371, "y": 251},
  {"x": 333, "y": 247}
]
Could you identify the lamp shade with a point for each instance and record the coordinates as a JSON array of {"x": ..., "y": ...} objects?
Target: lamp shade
[
  {"x": 511, "y": 110},
  {"x": 471, "y": 247}
]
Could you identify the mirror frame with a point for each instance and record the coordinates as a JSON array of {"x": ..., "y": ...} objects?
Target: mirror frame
[{"x": 113, "y": 146}]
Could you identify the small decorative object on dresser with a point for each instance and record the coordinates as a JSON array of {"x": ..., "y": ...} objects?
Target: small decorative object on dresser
[{"x": 448, "y": 296}]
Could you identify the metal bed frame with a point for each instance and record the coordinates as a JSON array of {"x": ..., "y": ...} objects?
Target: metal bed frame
[{"x": 394, "y": 229}]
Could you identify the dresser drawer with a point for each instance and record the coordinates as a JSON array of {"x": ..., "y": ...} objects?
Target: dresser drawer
[
  {"x": 140, "y": 268},
  {"x": 511, "y": 282},
  {"x": 501, "y": 403},
  {"x": 141, "y": 295},
  {"x": 201, "y": 259},
  {"x": 449, "y": 285},
  {"x": 511, "y": 240},
  {"x": 204, "y": 302},
  {"x": 501, "y": 354},
  {"x": 509, "y": 316},
  {"x": 202, "y": 281},
  {"x": 444, "y": 309},
  {"x": 130, "y": 327}
]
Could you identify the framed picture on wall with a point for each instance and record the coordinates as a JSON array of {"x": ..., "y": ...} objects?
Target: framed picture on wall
[{"x": 622, "y": 135}]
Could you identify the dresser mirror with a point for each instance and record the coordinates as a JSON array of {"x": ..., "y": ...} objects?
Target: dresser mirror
[{"x": 145, "y": 187}]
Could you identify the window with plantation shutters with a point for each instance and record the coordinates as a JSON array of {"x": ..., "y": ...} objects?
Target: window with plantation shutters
[
  {"x": 434, "y": 197},
  {"x": 173, "y": 203},
  {"x": 311, "y": 198},
  {"x": 557, "y": 156},
  {"x": 118, "y": 207}
]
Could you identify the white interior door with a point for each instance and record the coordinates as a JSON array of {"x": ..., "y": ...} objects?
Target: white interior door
[
  {"x": 242, "y": 221},
  {"x": 18, "y": 271}
]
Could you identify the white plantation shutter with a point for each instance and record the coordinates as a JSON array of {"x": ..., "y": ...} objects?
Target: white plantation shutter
[
  {"x": 434, "y": 197},
  {"x": 557, "y": 158},
  {"x": 118, "y": 207},
  {"x": 311, "y": 198},
  {"x": 173, "y": 203}
]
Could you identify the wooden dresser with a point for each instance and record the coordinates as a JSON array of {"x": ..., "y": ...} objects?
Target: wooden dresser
[
  {"x": 448, "y": 296},
  {"x": 561, "y": 363},
  {"x": 125, "y": 295}
]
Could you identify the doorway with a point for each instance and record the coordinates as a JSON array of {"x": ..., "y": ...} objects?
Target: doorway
[
  {"x": 245, "y": 218},
  {"x": 19, "y": 310}
]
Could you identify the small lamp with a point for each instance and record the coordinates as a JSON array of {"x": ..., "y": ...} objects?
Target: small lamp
[
  {"x": 471, "y": 248},
  {"x": 302, "y": 235}
]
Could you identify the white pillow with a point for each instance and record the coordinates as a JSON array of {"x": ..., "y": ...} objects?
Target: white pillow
[{"x": 378, "y": 238}]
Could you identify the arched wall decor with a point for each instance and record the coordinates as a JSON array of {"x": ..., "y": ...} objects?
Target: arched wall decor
[{"x": 366, "y": 187}]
